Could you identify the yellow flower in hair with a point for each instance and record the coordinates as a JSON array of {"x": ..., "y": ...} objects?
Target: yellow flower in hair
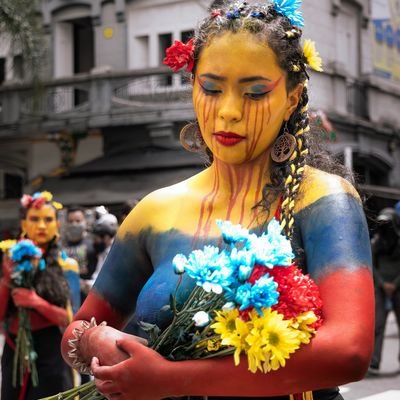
[
  {"x": 47, "y": 195},
  {"x": 312, "y": 56},
  {"x": 57, "y": 205}
]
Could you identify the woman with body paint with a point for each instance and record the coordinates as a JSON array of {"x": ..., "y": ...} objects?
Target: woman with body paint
[
  {"x": 250, "y": 98},
  {"x": 50, "y": 304}
]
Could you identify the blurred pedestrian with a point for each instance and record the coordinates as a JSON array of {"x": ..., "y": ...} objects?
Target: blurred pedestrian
[
  {"x": 55, "y": 292},
  {"x": 78, "y": 244},
  {"x": 104, "y": 231},
  {"x": 386, "y": 260}
]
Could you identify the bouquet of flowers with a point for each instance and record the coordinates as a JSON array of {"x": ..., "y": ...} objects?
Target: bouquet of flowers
[
  {"x": 250, "y": 298},
  {"x": 26, "y": 257}
]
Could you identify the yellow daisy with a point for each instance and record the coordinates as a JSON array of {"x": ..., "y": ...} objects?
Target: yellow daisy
[
  {"x": 312, "y": 56},
  {"x": 57, "y": 205},
  {"x": 47, "y": 195},
  {"x": 278, "y": 337},
  {"x": 302, "y": 323},
  {"x": 6, "y": 245},
  {"x": 233, "y": 331}
]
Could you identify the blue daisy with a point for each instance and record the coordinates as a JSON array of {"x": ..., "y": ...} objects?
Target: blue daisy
[{"x": 290, "y": 9}]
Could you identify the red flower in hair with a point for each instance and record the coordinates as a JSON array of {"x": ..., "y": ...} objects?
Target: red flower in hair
[
  {"x": 216, "y": 13},
  {"x": 179, "y": 55},
  {"x": 26, "y": 200},
  {"x": 39, "y": 202}
]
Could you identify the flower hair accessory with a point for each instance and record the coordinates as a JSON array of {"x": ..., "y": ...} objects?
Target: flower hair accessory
[
  {"x": 311, "y": 55},
  {"x": 290, "y": 9},
  {"x": 179, "y": 55},
  {"x": 39, "y": 199}
]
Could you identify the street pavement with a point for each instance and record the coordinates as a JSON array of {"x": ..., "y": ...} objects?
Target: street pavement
[
  {"x": 386, "y": 386},
  {"x": 383, "y": 387}
]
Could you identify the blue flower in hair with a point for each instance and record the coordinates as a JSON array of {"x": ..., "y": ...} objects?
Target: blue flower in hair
[
  {"x": 290, "y": 9},
  {"x": 235, "y": 14}
]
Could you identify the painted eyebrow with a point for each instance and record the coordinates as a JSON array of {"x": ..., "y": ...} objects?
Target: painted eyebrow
[{"x": 241, "y": 80}]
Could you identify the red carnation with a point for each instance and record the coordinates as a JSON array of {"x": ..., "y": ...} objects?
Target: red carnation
[
  {"x": 39, "y": 202},
  {"x": 179, "y": 55},
  {"x": 298, "y": 293},
  {"x": 26, "y": 200}
]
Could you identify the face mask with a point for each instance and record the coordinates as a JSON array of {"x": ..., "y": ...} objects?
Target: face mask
[
  {"x": 74, "y": 232},
  {"x": 99, "y": 247}
]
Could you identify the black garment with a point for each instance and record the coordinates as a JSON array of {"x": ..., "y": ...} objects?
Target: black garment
[
  {"x": 54, "y": 375},
  {"x": 324, "y": 394}
]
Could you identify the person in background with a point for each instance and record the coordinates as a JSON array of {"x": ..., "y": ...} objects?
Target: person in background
[
  {"x": 50, "y": 303},
  {"x": 104, "y": 230},
  {"x": 78, "y": 244},
  {"x": 385, "y": 246}
]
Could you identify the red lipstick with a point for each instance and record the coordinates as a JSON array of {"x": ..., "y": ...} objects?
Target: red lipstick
[{"x": 228, "y": 138}]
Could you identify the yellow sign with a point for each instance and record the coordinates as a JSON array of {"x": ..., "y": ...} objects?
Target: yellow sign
[
  {"x": 386, "y": 38},
  {"x": 108, "y": 32}
]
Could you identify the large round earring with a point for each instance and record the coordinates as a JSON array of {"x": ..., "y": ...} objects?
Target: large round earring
[
  {"x": 191, "y": 139},
  {"x": 23, "y": 235},
  {"x": 283, "y": 147}
]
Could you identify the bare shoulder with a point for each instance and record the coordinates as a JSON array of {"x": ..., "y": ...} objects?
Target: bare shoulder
[
  {"x": 317, "y": 184},
  {"x": 159, "y": 209}
]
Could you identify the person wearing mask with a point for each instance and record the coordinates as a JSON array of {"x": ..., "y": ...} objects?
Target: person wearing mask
[
  {"x": 385, "y": 246},
  {"x": 78, "y": 244}
]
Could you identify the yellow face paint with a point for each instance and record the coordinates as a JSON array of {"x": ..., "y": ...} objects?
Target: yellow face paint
[
  {"x": 41, "y": 224},
  {"x": 240, "y": 97}
]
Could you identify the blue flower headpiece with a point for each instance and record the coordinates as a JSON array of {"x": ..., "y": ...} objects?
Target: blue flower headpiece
[{"x": 290, "y": 9}]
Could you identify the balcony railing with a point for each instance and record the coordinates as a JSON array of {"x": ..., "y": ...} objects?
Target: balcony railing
[{"x": 94, "y": 100}]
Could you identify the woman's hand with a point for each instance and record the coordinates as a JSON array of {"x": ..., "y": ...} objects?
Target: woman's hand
[
  {"x": 140, "y": 377},
  {"x": 101, "y": 342},
  {"x": 26, "y": 298}
]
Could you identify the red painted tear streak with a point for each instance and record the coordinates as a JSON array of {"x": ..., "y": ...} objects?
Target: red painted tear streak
[
  {"x": 232, "y": 191},
  {"x": 258, "y": 193},
  {"x": 207, "y": 225},
  {"x": 257, "y": 136},
  {"x": 245, "y": 111},
  {"x": 249, "y": 180}
]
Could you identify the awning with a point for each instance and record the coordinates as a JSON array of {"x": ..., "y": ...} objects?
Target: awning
[
  {"x": 113, "y": 189},
  {"x": 384, "y": 192}
]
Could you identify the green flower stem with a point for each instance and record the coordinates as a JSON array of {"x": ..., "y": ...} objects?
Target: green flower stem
[{"x": 85, "y": 389}]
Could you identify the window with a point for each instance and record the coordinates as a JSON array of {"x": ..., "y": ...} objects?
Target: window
[
  {"x": 2, "y": 70},
  {"x": 11, "y": 185},
  {"x": 164, "y": 41},
  {"x": 18, "y": 67},
  {"x": 187, "y": 35}
]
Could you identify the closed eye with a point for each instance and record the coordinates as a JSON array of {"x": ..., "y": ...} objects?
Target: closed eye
[
  {"x": 256, "y": 96},
  {"x": 210, "y": 90}
]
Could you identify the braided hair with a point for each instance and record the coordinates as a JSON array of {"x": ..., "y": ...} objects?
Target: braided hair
[{"x": 278, "y": 32}]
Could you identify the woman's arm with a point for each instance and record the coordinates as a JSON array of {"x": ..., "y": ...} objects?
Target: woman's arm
[
  {"x": 5, "y": 286},
  {"x": 30, "y": 299}
]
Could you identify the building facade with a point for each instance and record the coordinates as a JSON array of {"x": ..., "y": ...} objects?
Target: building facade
[{"x": 104, "y": 128}]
